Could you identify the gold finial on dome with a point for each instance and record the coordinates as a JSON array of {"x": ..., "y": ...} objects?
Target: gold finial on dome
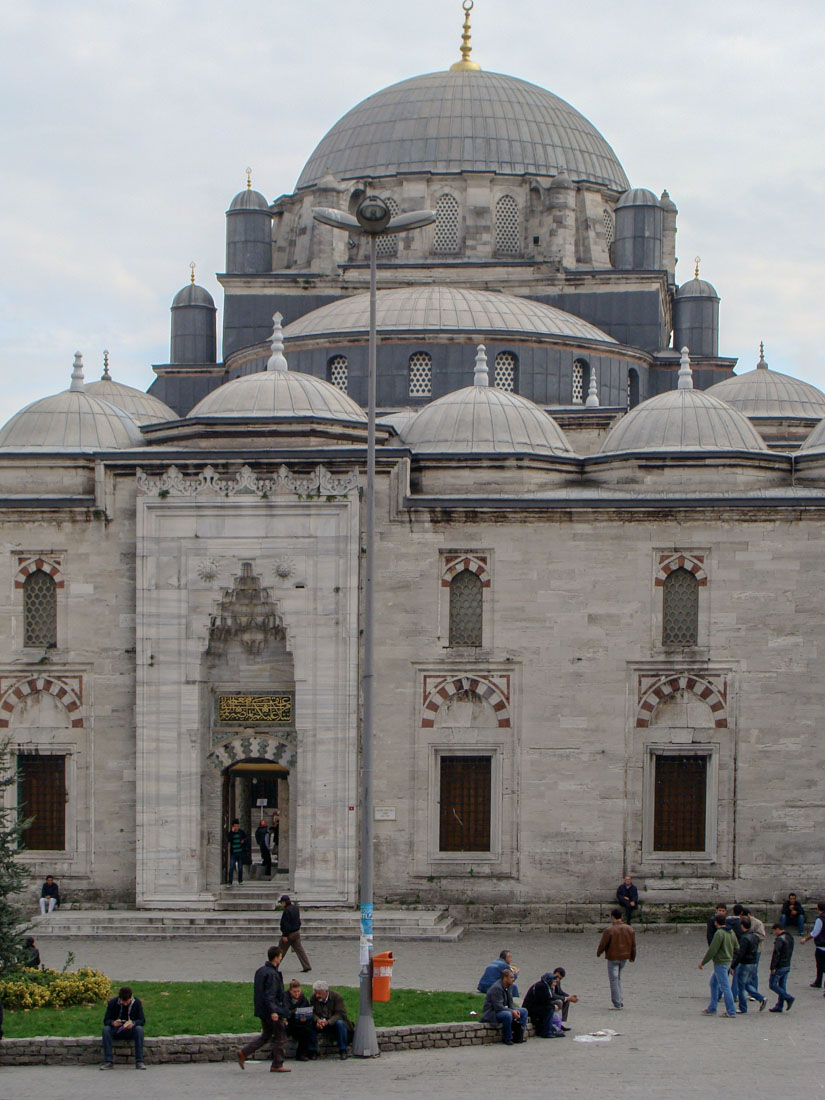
[
  {"x": 465, "y": 64},
  {"x": 249, "y": 179},
  {"x": 697, "y": 260},
  {"x": 192, "y": 272}
]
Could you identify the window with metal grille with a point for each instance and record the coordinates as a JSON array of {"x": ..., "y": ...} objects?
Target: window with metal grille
[
  {"x": 581, "y": 380},
  {"x": 505, "y": 371},
  {"x": 388, "y": 244},
  {"x": 608, "y": 226},
  {"x": 338, "y": 372},
  {"x": 465, "y": 609},
  {"x": 680, "y": 802},
  {"x": 39, "y": 610},
  {"x": 421, "y": 374},
  {"x": 465, "y": 805},
  {"x": 508, "y": 230},
  {"x": 446, "y": 235},
  {"x": 41, "y": 796},
  {"x": 680, "y": 608},
  {"x": 632, "y": 388}
]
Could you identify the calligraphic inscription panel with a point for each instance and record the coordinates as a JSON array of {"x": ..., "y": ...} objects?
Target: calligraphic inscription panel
[{"x": 255, "y": 710}]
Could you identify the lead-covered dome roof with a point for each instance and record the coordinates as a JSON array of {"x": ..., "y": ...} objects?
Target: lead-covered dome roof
[
  {"x": 769, "y": 393},
  {"x": 464, "y": 121},
  {"x": 443, "y": 309},
  {"x": 142, "y": 407}
]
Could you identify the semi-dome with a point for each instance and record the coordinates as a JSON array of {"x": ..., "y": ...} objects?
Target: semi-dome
[
  {"x": 278, "y": 392},
  {"x": 464, "y": 121},
  {"x": 142, "y": 407},
  {"x": 481, "y": 419},
  {"x": 769, "y": 393},
  {"x": 443, "y": 309},
  {"x": 683, "y": 419},
  {"x": 73, "y": 420}
]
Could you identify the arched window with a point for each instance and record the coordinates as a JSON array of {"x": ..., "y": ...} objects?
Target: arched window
[
  {"x": 39, "y": 610},
  {"x": 465, "y": 609},
  {"x": 506, "y": 372},
  {"x": 581, "y": 380},
  {"x": 421, "y": 374},
  {"x": 387, "y": 245},
  {"x": 680, "y": 609},
  {"x": 508, "y": 230},
  {"x": 338, "y": 372},
  {"x": 446, "y": 235},
  {"x": 632, "y": 388}
]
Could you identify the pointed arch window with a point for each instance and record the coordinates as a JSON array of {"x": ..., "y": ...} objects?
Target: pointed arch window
[
  {"x": 39, "y": 610},
  {"x": 466, "y": 609},
  {"x": 680, "y": 610},
  {"x": 508, "y": 227},
  {"x": 446, "y": 233}
]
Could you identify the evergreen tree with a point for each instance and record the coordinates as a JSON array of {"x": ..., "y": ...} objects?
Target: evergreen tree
[{"x": 13, "y": 874}]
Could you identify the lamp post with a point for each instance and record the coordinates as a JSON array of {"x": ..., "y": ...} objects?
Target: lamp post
[{"x": 374, "y": 218}]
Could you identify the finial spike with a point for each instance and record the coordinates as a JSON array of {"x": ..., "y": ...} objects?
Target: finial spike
[
  {"x": 481, "y": 375},
  {"x": 697, "y": 260},
  {"x": 77, "y": 373},
  {"x": 192, "y": 272},
  {"x": 105, "y": 377},
  {"x": 465, "y": 63},
  {"x": 762, "y": 364},
  {"x": 249, "y": 179},
  {"x": 277, "y": 360},
  {"x": 592, "y": 401},
  {"x": 685, "y": 373}
]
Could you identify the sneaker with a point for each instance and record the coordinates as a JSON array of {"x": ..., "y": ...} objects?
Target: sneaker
[
  {"x": 763, "y": 1004},
  {"x": 708, "y": 1012},
  {"x": 140, "y": 1065},
  {"x": 342, "y": 1054},
  {"x": 730, "y": 1015},
  {"x": 776, "y": 1008},
  {"x": 108, "y": 1065}
]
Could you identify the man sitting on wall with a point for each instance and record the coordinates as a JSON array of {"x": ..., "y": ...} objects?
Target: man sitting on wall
[
  {"x": 627, "y": 895},
  {"x": 792, "y": 914},
  {"x": 330, "y": 1014},
  {"x": 124, "y": 1019},
  {"x": 49, "y": 895},
  {"x": 499, "y": 1009}
]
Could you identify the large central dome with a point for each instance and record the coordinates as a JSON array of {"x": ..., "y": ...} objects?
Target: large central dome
[{"x": 464, "y": 121}]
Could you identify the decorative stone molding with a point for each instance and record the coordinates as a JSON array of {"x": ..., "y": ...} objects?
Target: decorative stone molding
[
  {"x": 694, "y": 563},
  {"x": 654, "y": 689},
  {"x": 68, "y": 690},
  {"x": 51, "y": 565},
  {"x": 457, "y": 563},
  {"x": 253, "y": 746},
  {"x": 436, "y": 690},
  {"x": 246, "y": 482}
]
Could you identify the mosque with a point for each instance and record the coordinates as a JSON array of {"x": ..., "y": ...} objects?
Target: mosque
[{"x": 599, "y": 591}]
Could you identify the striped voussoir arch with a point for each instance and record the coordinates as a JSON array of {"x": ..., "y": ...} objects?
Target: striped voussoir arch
[
  {"x": 449, "y": 687},
  {"x": 64, "y": 692},
  {"x": 457, "y": 563},
  {"x": 670, "y": 685},
  {"x": 694, "y": 563},
  {"x": 27, "y": 566}
]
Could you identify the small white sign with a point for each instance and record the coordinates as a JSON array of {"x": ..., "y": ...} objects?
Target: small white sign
[
  {"x": 262, "y": 802},
  {"x": 385, "y": 813}
]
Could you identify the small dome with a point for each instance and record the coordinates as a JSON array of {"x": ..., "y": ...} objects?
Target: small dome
[
  {"x": 142, "y": 407},
  {"x": 682, "y": 420},
  {"x": 398, "y": 419},
  {"x": 480, "y": 419},
  {"x": 73, "y": 420},
  {"x": 697, "y": 288},
  {"x": 769, "y": 393},
  {"x": 249, "y": 200},
  {"x": 637, "y": 196},
  {"x": 667, "y": 203},
  {"x": 193, "y": 295},
  {"x": 278, "y": 392}
]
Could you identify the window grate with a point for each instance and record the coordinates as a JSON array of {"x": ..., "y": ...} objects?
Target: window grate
[
  {"x": 578, "y": 382},
  {"x": 680, "y": 803},
  {"x": 508, "y": 229},
  {"x": 446, "y": 236},
  {"x": 609, "y": 231},
  {"x": 421, "y": 374},
  {"x": 465, "y": 810},
  {"x": 41, "y": 796},
  {"x": 466, "y": 608},
  {"x": 388, "y": 245},
  {"x": 339, "y": 372},
  {"x": 505, "y": 371},
  {"x": 680, "y": 609},
  {"x": 39, "y": 610}
]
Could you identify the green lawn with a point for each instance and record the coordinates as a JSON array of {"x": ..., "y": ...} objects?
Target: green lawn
[{"x": 208, "y": 1008}]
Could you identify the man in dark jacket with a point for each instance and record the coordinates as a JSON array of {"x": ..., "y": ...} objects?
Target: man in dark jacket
[
  {"x": 271, "y": 1009},
  {"x": 817, "y": 934},
  {"x": 793, "y": 914},
  {"x": 49, "y": 896},
  {"x": 236, "y": 839},
  {"x": 499, "y": 1009},
  {"x": 542, "y": 1004},
  {"x": 721, "y": 911},
  {"x": 745, "y": 961},
  {"x": 300, "y": 1023},
  {"x": 780, "y": 968},
  {"x": 627, "y": 896},
  {"x": 330, "y": 1013},
  {"x": 291, "y": 931},
  {"x": 124, "y": 1019},
  {"x": 262, "y": 838}
]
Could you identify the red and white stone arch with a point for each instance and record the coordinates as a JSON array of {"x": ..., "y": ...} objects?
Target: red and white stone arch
[
  {"x": 669, "y": 563},
  {"x": 437, "y": 690},
  {"x": 67, "y": 690},
  {"x": 711, "y": 690},
  {"x": 457, "y": 563},
  {"x": 50, "y": 565}
]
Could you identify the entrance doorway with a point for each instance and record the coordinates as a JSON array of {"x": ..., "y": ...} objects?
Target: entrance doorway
[{"x": 256, "y": 791}]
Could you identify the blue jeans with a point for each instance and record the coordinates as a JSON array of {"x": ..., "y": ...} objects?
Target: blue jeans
[
  {"x": 747, "y": 984},
  {"x": 778, "y": 982},
  {"x": 132, "y": 1034},
  {"x": 800, "y": 922},
  {"x": 507, "y": 1018},
  {"x": 719, "y": 984},
  {"x": 338, "y": 1029},
  {"x": 235, "y": 860},
  {"x": 614, "y": 974}
]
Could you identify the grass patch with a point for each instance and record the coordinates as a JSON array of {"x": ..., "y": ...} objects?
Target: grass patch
[{"x": 209, "y": 1008}]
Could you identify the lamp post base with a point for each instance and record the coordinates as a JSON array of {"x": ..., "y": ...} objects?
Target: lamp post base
[{"x": 365, "y": 1040}]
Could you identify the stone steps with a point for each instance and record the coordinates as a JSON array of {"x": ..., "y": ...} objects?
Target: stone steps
[{"x": 398, "y": 924}]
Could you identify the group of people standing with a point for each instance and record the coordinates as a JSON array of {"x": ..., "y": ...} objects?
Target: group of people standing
[{"x": 240, "y": 846}]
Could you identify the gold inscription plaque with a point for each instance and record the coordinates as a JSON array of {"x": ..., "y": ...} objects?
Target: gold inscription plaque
[{"x": 272, "y": 710}]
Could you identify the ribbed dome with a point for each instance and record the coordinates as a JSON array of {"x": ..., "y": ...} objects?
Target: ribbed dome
[
  {"x": 697, "y": 288},
  {"x": 193, "y": 295},
  {"x": 687, "y": 420},
  {"x": 73, "y": 420},
  {"x": 768, "y": 393},
  {"x": 249, "y": 200},
  {"x": 443, "y": 309},
  {"x": 480, "y": 419},
  {"x": 142, "y": 407},
  {"x": 637, "y": 196},
  {"x": 461, "y": 121}
]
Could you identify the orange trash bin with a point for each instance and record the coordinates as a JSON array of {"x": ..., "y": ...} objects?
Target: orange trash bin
[{"x": 382, "y": 975}]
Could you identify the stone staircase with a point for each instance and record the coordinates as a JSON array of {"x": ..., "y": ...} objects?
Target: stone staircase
[{"x": 232, "y": 919}]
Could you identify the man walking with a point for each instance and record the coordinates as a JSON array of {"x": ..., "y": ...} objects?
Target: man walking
[
  {"x": 744, "y": 964},
  {"x": 618, "y": 945},
  {"x": 262, "y": 837},
  {"x": 236, "y": 839},
  {"x": 780, "y": 968},
  {"x": 817, "y": 934},
  {"x": 720, "y": 952},
  {"x": 272, "y": 1010},
  {"x": 291, "y": 931}
]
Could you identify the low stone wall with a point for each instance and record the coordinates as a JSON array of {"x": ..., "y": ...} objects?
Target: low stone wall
[{"x": 223, "y": 1048}]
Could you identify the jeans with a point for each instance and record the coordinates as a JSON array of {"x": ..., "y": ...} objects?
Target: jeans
[
  {"x": 132, "y": 1034},
  {"x": 506, "y": 1018},
  {"x": 819, "y": 957},
  {"x": 719, "y": 984},
  {"x": 614, "y": 973},
  {"x": 338, "y": 1029},
  {"x": 235, "y": 860},
  {"x": 778, "y": 982},
  {"x": 747, "y": 985},
  {"x": 800, "y": 922}
]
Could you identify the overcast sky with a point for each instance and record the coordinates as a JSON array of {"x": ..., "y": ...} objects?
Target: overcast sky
[{"x": 126, "y": 129}]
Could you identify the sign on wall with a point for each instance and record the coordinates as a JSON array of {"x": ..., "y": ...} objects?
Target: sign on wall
[{"x": 267, "y": 709}]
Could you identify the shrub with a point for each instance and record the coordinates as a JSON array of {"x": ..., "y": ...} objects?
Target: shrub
[{"x": 51, "y": 989}]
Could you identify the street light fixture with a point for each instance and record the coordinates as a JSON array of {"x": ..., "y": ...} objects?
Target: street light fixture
[{"x": 374, "y": 218}]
